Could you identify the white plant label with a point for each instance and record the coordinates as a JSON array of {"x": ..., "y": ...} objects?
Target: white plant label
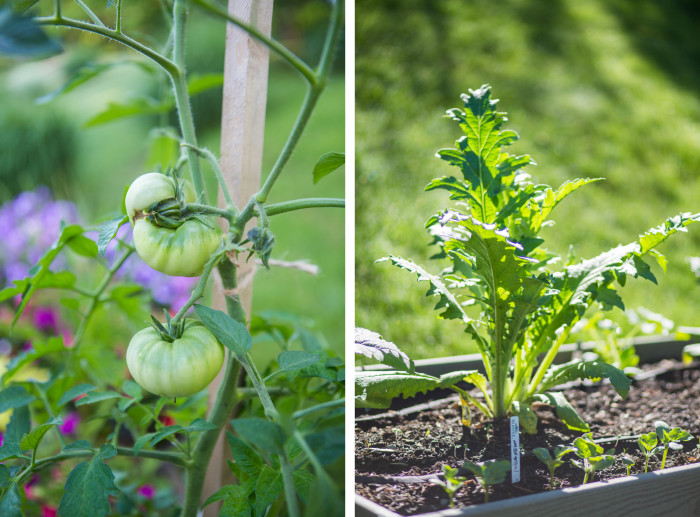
[{"x": 515, "y": 449}]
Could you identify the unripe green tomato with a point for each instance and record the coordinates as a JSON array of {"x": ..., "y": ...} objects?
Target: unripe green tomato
[
  {"x": 150, "y": 188},
  {"x": 178, "y": 369},
  {"x": 182, "y": 251}
]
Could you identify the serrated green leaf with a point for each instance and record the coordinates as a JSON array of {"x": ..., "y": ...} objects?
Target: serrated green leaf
[
  {"x": 231, "y": 333},
  {"x": 74, "y": 392},
  {"x": 586, "y": 370},
  {"x": 88, "y": 487},
  {"x": 328, "y": 445},
  {"x": 376, "y": 389},
  {"x": 245, "y": 456},
  {"x": 267, "y": 489},
  {"x": 14, "y": 397},
  {"x": 235, "y": 498},
  {"x": 11, "y": 502},
  {"x": 80, "y": 445},
  {"x": 296, "y": 359},
  {"x": 265, "y": 435},
  {"x": 20, "y": 35},
  {"x": 164, "y": 433},
  {"x": 565, "y": 411},
  {"x": 97, "y": 396},
  {"x": 327, "y": 164},
  {"x": 31, "y": 440},
  {"x": 108, "y": 230},
  {"x": 303, "y": 481},
  {"x": 370, "y": 344},
  {"x": 199, "y": 425},
  {"x": 137, "y": 106}
]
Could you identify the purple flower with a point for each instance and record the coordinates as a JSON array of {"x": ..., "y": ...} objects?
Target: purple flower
[
  {"x": 70, "y": 423},
  {"x": 147, "y": 491},
  {"x": 2, "y": 438},
  {"x": 45, "y": 318}
]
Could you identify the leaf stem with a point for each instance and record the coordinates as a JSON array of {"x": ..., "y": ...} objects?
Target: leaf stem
[
  {"x": 273, "y": 44},
  {"x": 326, "y": 405},
  {"x": 206, "y": 153},
  {"x": 91, "y": 14},
  {"x": 57, "y": 20},
  {"x": 300, "y": 204}
]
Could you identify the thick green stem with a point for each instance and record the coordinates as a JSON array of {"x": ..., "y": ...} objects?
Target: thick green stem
[
  {"x": 182, "y": 100},
  {"x": 198, "y": 291},
  {"x": 290, "y": 492},
  {"x": 300, "y": 204}
]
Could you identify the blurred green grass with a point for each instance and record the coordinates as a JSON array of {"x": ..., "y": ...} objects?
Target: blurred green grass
[
  {"x": 595, "y": 89},
  {"x": 108, "y": 157}
]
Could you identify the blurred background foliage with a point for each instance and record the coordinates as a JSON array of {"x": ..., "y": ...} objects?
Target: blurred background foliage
[
  {"x": 602, "y": 88},
  {"x": 55, "y": 141}
]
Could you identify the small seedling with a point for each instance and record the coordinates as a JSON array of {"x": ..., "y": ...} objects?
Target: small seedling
[
  {"x": 452, "y": 482},
  {"x": 488, "y": 473},
  {"x": 545, "y": 457},
  {"x": 647, "y": 444},
  {"x": 628, "y": 462},
  {"x": 593, "y": 457},
  {"x": 670, "y": 438}
]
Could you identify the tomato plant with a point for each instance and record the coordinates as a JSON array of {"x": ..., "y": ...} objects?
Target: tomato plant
[{"x": 283, "y": 421}]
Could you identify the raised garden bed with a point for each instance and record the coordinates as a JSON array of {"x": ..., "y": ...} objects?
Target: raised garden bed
[{"x": 400, "y": 451}]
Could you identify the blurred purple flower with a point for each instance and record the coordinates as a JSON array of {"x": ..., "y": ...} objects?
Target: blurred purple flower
[
  {"x": 70, "y": 423},
  {"x": 46, "y": 318},
  {"x": 2, "y": 438},
  {"x": 147, "y": 491}
]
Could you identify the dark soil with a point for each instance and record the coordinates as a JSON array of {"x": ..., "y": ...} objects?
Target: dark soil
[{"x": 419, "y": 443}]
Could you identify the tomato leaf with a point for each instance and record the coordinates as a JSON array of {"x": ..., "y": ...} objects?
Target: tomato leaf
[
  {"x": 83, "y": 246},
  {"x": 267, "y": 436},
  {"x": 267, "y": 489},
  {"x": 136, "y": 106},
  {"x": 164, "y": 433},
  {"x": 296, "y": 360},
  {"x": 31, "y": 440},
  {"x": 199, "y": 425},
  {"x": 327, "y": 164},
  {"x": 231, "y": 333},
  {"x": 20, "y": 35},
  {"x": 40, "y": 349},
  {"x": 108, "y": 230},
  {"x": 198, "y": 83},
  {"x": 19, "y": 425},
  {"x": 11, "y": 502},
  {"x": 74, "y": 392},
  {"x": 97, "y": 396},
  {"x": 14, "y": 397},
  {"x": 89, "y": 486},
  {"x": 235, "y": 498},
  {"x": 245, "y": 456},
  {"x": 79, "y": 445},
  {"x": 370, "y": 344}
]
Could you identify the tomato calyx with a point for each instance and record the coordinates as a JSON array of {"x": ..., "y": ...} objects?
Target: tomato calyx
[{"x": 172, "y": 332}]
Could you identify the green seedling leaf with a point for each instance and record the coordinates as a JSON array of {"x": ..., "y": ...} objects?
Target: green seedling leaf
[
  {"x": 74, "y": 392},
  {"x": 231, "y": 333},
  {"x": 488, "y": 473},
  {"x": 296, "y": 360},
  {"x": 327, "y": 164},
  {"x": 108, "y": 230},
  {"x": 370, "y": 344},
  {"x": 89, "y": 486},
  {"x": 245, "y": 456},
  {"x": 31, "y": 440},
  {"x": 20, "y": 35},
  {"x": 265, "y": 435}
]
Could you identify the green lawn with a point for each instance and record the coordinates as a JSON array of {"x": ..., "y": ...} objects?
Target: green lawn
[{"x": 595, "y": 89}]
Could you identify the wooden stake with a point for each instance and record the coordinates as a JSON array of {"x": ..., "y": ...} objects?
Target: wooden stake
[{"x": 242, "y": 131}]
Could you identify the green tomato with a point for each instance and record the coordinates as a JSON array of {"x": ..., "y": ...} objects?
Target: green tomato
[
  {"x": 182, "y": 251},
  {"x": 178, "y": 369}
]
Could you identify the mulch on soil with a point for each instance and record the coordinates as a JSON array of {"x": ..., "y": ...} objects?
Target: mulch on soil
[{"x": 419, "y": 444}]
